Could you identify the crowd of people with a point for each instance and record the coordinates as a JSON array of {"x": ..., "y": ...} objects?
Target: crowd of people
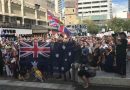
[{"x": 108, "y": 54}]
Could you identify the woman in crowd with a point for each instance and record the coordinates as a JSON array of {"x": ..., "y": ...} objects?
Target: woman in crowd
[
  {"x": 82, "y": 72},
  {"x": 85, "y": 53},
  {"x": 109, "y": 61},
  {"x": 14, "y": 62},
  {"x": 84, "y": 75},
  {"x": 95, "y": 60},
  {"x": 7, "y": 60}
]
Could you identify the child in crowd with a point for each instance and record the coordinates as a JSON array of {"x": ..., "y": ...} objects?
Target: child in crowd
[
  {"x": 38, "y": 75},
  {"x": 36, "y": 72}
]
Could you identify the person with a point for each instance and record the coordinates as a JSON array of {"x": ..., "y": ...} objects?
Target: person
[
  {"x": 14, "y": 62},
  {"x": 85, "y": 53},
  {"x": 1, "y": 62},
  {"x": 128, "y": 59},
  {"x": 7, "y": 60},
  {"x": 77, "y": 52},
  {"x": 22, "y": 69},
  {"x": 109, "y": 61},
  {"x": 52, "y": 56},
  {"x": 101, "y": 60},
  {"x": 82, "y": 71},
  {"x": 95, "y": 61},
  {"x": 38, "y": 74},
  {"x": 128, "y": 53},
  {"x": 84, "y": 75},
  {"x": 22, "y": 73},
  {"x": 121, "y": 46}
]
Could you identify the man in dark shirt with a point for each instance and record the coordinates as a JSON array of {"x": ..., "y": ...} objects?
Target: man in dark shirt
[{"x": 121, "y": 47}]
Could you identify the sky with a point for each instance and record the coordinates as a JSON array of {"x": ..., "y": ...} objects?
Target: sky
[{"x": 120, "y": 7}]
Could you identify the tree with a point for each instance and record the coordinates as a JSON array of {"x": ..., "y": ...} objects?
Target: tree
[
  {"x": 126, "y": 26},
  {"x": 91, "y": 26},
  {"x": 116, "y": 24}
]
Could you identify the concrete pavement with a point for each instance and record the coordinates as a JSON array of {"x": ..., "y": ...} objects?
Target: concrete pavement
[
  {"x": 19, "y": 85},
  {"x": 107, "y": 81},
  {"x": 47, "y": 86},
  {"x": 104, "y": 78}
]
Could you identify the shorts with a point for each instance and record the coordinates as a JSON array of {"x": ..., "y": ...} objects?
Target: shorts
[{"x": 82, "y": 73}]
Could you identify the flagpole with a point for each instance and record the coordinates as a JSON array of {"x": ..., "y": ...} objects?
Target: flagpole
[{"x": 47, "y": 23}]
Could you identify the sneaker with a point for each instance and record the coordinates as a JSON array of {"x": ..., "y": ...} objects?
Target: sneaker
[{"x": 86, "y": 86}]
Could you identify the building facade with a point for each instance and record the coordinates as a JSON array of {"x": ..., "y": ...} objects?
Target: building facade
[
  {"x": 96, "y": 10},
  {"x": 32, "y": 12},
  {"x": 58, "y": 6},
  {"x": 128, "y": 14},
  {"x": 70, "y": 13},
  {"x": 129, "y": 5},
  {"x": 70, "y": 16}
]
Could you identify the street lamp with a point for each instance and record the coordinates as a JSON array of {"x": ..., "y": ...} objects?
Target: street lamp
[{"x": 37, "y": 6}]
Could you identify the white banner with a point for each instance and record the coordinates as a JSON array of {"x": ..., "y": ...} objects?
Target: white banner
[{"x": 18, "y": 31}]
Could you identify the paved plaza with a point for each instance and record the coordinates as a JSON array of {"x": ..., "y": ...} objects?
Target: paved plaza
[
  {"x": 18, "y": 85},
  {"x": 109, "y": 81}
]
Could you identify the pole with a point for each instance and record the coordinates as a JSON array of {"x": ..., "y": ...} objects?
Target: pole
[
  {"x": 22, "y": 11},
  {"x": 82, "y": 14},
  {"x": 37, "y": 6},
  {"x": 3, "y": 10},
  {"x": 36, "y": 17}
]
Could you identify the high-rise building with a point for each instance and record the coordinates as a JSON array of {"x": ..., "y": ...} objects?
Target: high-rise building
[
  {"x": 58, "y": 6},
  {"x": 128, "y": 13},
  {"x": 97, "y": 10},
  {"x": 50, "y": 5},
  {"x": 69, "y": 3},
  {"x": 70, "y": 13},
  {"x": 129, "y": 5}
]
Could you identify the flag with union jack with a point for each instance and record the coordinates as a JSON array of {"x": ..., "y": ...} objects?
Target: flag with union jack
[
  {"x": 53, "y": 21},
  {"x": 34, "y": 49}
]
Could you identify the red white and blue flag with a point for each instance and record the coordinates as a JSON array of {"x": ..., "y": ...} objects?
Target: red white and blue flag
[
  {"x": 55, "y": 22},
  {"x": 34, "y": 49},
  {"x": 63, "y": 29}
]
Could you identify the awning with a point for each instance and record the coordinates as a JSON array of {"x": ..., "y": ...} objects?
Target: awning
[
  {"x": 41, "y": 27},
  {"x": 51, "y": 28},
  {"x": 40, "y": 31}
]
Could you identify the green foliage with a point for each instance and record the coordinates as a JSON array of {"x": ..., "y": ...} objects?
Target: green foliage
[
  {"x": 117, "y": 24},
  {"x": 126, "y": 25},
  {"x": 91, "y": 26}
]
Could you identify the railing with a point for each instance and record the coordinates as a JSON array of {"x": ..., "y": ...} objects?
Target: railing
[
  {"x": 16, "y": 1},
  {"x": 24, "y": 26},
  {"x": 14, "y": 25}
]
